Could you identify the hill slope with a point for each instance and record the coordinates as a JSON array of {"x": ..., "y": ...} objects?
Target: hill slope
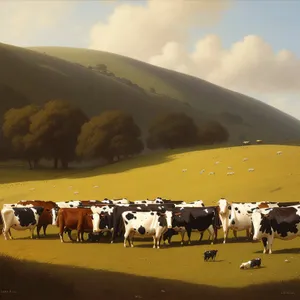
[
  {"x": 38, "y": 77},
  {"x": 276, "y": 177},
  {"x": 259, "y": 118}
]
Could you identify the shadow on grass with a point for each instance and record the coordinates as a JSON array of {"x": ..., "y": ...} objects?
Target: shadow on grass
[
  {"x": 31, "y": 280},
  {"x": 283, "y": 251},
  {"x": 18, "y": 172}
]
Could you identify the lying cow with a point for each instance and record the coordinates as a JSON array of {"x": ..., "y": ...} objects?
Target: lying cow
[
  {"x": 237, "y": 216},
  {"x": 20, "y": 218},
  {"x": 152, "y": 223},
  {"x": 279, "y": 222},
  {"x": 256, "y": 262}
]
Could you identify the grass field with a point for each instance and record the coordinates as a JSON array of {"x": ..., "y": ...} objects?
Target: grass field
[{"x": 113, "y": 272}]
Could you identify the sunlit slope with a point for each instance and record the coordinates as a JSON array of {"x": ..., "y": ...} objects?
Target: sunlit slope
[
  {"x": 275, "y": 177},
  {"x": 259, "y": 119}
]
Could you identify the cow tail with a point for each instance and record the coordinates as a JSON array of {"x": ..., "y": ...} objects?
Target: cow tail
[{"x": 1, "y": 222}]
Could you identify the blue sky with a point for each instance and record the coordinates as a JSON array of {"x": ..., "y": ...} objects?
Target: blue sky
[{"x": 167, "y": 38}]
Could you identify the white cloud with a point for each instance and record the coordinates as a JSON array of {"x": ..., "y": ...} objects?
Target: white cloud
[
  {"x": 22, "y": 20},
  {"x": 142, "y": 31},
  {"x": 158, "y": 34}
]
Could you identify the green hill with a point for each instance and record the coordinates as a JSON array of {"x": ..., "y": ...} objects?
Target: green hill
[{"x": 145, "y": 91}]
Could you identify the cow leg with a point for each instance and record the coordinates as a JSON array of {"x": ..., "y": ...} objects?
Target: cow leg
[
  {"x": 225, "y": 235},
  {"x": 131, "y": 240},
  {"x": 38, "y": 228},
  {"x": 61, "y": 236},
  {"x": 201, "y": 236},
  {"x": 182, "y": 233},
  {"x": 270, "y": 242},
  {"x": 189, "y": 232},
  {"x": 31, "y": 232},
  {"x": 9, "y": 234},
  {"x": 44, "y": 228},
  {"x": 265, "y": 244},
  {"x": 159, "y": 241},
  {"x": 235, "y": 233},
  {"x": 126, "y": 234},
  {"x": 4, "y": 231},
  {"x": 211, "y": 234}
]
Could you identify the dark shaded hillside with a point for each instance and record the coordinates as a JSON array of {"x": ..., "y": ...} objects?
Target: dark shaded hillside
[
  {"x": 259, "y": 120},
  {"x": 40, "y": 77},
  {"x": 30, "y": 280}
]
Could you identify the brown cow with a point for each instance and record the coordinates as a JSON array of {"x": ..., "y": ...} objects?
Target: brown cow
[
  {"x": 46, "y": 217},
  {"x": 74, "y": 219}
]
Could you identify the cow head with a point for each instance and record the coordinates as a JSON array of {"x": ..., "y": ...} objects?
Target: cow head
[
  {"x": 167, "y": 215},
  {"x": 96, "y": 222},
  {"x": 224, "y": 206},
  {"x": 259, "y": 221}
]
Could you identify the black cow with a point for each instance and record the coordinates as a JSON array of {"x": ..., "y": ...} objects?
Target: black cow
[
  {"x": 256, "y": 262},
  {"x": 194, "y": 218},
  {"x": 210, "y": 254}
]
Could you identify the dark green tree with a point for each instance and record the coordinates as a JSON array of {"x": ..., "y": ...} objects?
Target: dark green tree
[
  {"x": 171, "y": 131},
  {"x": 54, "y": 129},
  {"x": 15, "y": 128},
  {"x": 113, "y": 134},
  {"x": 213, "y": 133}
]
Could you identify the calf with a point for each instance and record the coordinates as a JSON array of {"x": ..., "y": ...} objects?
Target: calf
[
  {"x": 210, "y": 254},
  {"x": 20, "y": 218},
  {"x": 278, "y": 222},
  {"x": 256, "y": 262},
  {"x": 152, "y": 223}
]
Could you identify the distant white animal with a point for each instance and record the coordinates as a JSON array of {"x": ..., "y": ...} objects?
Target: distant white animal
[
  {"x": 202, "y": 171},
  {"x": 96, "y": 186},
  {"x": 184, "y": 170},
  {"x": 229, "y": 168},
  {"x": 245, "y": 159},
  {"x": 246, "y": 142},
  {"x": 230, "y": 173},
  {"x": 217, "y": 162},
  {"x": 211, "y": 173},
  {"x": 76, "y": 193},
  {"x": 279, "y": 152},
  {"x": 251, "y": 170}
]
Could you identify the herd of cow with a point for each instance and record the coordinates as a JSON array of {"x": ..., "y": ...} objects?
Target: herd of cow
[{"x": 159, "y": 218}]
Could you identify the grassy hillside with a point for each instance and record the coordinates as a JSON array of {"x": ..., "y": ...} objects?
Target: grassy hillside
[
  {"x": 259, "y": 119},
  {"x": 51, "y": 73},
  {"x": 176, "y": 270}
]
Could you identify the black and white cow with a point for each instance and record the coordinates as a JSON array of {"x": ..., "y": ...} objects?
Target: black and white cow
[
  {"x": 278, "y": 222},
  {"x": 20, "y": 218},
  {"x": 187, "y": 219},
  {"x": 144, "y": 224},
  {"x": 255, "y": 262}
]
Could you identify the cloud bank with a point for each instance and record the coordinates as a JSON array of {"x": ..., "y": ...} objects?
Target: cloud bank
[{"x": 158, "y": 34}]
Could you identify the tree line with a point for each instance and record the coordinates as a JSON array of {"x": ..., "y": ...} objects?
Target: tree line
[{"x": 61, "y": 132}]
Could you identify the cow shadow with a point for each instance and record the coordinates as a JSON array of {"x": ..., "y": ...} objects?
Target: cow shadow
[{"x": 283, "y": 251}]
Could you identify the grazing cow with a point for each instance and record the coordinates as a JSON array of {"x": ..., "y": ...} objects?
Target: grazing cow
[
  {"x": 115, "y": 201},
  {"x": 151, "y": 223},
  {"x": 258, "y": 141},
  {"x": 210, "y": 254},
  {"x": 20, "y": 218},
  {"x": 187, "y": 219},
  {"x": 246, "y": 142},
  {"x": 256, "y": 262},
  {"x": 46, "y": 217},
  {"x": 278, "y": 222},
  {"x": 74, "y": 219},
  {"x": 237, "y": 216}
]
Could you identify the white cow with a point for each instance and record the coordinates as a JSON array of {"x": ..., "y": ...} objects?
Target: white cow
[
  {"x": 151, "y": 223},
  {"x": 237, "y": 216},
  {"x": 20, "y": 218}
]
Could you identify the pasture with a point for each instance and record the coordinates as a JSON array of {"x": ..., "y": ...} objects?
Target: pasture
[{"x": 173, "y": 271}]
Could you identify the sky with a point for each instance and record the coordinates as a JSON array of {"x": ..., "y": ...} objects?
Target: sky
[{"x": 249, "y": 46}]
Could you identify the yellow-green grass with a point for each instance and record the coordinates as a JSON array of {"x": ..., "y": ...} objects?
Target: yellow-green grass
[{"x": 276, "y": 178}]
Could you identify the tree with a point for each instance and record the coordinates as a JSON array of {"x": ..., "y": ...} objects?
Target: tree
[
  {"x": 213, "y": 132},
  {"x": 16, "y": 129},
  {"x": 171, "y": 131},
  {"x": 54, "y": 129},
  {"x": 113, "y": 134}
]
